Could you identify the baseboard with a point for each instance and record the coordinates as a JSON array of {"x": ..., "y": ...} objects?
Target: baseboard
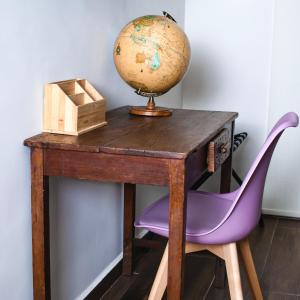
[
  {"x": 100, "y": 277},
  {"x": 281, "y": 212},
  {"x": 107, "y": 276}
]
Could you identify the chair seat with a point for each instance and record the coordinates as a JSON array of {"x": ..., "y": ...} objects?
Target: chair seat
[{"x": 204, "y": 212}]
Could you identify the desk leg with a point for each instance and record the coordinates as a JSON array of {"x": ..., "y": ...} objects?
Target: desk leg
[
  {"x": 177, "y": 222},
  {"x": 128, "y": 239},
  {"x": 226, "y": 175},
  {"x": 226, "y": 170},
  {"x": 40, "y": 226}
]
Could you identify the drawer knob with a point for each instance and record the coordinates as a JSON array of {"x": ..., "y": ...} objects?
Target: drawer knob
[{"x": 224, "y": 148}]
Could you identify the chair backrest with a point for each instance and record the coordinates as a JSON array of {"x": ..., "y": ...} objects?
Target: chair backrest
[{"x": 246, "y": 209}]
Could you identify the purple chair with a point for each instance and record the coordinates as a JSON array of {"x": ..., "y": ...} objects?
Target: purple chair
[{"x": 221, "y": 222}]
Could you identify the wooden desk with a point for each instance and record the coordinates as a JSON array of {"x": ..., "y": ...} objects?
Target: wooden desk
[{"x": 169, "y": 151}]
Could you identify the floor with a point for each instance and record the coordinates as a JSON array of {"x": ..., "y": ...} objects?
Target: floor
[{"x": 276, "y": 252}]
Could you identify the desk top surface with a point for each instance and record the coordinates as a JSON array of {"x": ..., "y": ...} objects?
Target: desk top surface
[{"x": 165, "y": 137}]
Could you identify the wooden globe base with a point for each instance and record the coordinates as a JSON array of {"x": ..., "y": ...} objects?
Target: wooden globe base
[
  {"x": 157, "y": 112},
  {"x": 150, "y": 110}
]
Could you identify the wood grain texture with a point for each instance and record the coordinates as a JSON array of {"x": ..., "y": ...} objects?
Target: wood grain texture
[
  {"x": 40, "y": 226},
  {"x": 72, "y": 107},
  {"x": 128, "y": 230},
  {"x": 260, "y": 241},
  {"x": 99, "y": 166},
  {"x": 233, "y": 271},
  {"x": 161, "y": 278},
  {"x": 177, "y": 223},
  {"x": 106, "y": 167},
  {"x": 246, "y": 255},
  {"x": 199, "y": 273},
  {"x": 281, "y": 274},
  {"x": 215, "y": 249},
  {"x": 173, "y": 137},
  {"x": 196, "y": 166}
]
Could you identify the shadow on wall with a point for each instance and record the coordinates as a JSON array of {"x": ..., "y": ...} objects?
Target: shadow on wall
[{"x": 202, "y": 80}]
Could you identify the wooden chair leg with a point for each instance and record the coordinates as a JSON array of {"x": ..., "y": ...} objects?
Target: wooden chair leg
[
  {"x": 233, "y": 271},
  {"x": 250, "y": 269},
  {"x": 161, "y": 278},
  {"x": 227, "y": 252}
]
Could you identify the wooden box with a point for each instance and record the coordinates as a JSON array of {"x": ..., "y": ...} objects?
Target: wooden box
[{"x": 73, "y": 107}]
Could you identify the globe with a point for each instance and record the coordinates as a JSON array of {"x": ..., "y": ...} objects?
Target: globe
[{"x": 152, "y": 54}]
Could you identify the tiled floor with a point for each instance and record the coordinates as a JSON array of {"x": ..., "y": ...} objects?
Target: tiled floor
[{"x": 276, "y": 251}]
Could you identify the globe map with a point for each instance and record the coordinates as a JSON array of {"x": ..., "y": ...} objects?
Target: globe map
[{"x": 152, "y": 54}]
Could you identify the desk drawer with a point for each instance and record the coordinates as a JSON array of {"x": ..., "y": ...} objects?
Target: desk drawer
[{"x": 218, "y": 150}]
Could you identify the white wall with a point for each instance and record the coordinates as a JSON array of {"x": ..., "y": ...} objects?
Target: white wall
[
  {"x": 283, "y": 190},
  {"x": 231, "y": 50},
  {"x": 40, "y": 42},
  {"x": 245, "y": 58}
]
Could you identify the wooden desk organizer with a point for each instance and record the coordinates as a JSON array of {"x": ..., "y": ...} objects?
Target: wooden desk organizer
[{"x": 73, "y": 107}]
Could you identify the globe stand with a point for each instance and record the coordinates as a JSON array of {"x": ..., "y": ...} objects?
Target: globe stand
[{"x": 151, "y": 110}]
